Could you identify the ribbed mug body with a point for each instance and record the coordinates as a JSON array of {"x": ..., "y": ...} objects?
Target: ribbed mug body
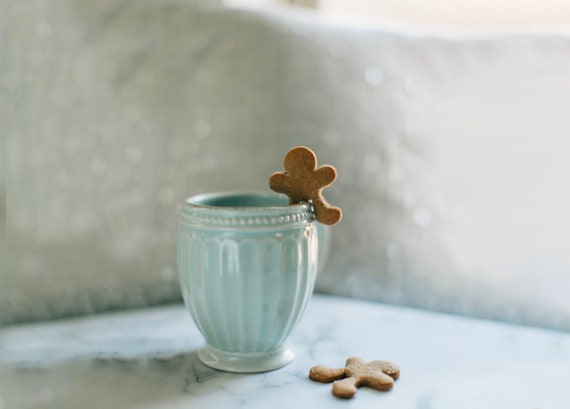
[{"x": 247, "y": 267}]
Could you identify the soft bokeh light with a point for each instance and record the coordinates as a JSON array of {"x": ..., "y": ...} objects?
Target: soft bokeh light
[{"x": 450, "y": 147}]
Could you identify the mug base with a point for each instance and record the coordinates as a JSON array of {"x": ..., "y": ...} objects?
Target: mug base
[{"x": 246, "y": 362}]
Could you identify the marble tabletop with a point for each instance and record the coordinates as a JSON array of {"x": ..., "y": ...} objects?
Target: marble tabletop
[{"x": 147, "y": 359}]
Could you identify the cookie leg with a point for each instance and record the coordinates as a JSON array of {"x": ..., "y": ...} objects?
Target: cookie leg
[
  {"x": 379, "y": 381},
  {"x": 345, "y": 388},
  {"x": 326, "y": 213}
]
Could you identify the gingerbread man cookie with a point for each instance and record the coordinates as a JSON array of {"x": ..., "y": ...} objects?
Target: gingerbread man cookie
[
  {"x": 379, "y": 375},
  {"x": 302, "y": 181}
]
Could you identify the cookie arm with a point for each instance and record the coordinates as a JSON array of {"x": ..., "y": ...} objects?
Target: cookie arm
[
  {"x": 326, "y": 375},
  {"x": 325, "y": 175},
  {"x": 280, "y": 182}
]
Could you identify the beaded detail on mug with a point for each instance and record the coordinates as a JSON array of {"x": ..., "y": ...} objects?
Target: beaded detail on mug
[{"x": 241, "y": 221}]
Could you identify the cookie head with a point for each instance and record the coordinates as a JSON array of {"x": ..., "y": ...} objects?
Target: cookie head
[{"x": 300, "y": 161}]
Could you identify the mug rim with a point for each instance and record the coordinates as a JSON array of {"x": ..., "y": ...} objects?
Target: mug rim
[
  {"x": 198, "y": 210},
  {"x": 196, "y": 201}
]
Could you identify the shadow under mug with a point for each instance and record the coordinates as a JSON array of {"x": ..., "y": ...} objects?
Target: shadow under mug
[{"x": 247, "y": 265}]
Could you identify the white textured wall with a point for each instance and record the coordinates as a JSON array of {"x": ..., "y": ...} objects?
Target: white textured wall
[
  {"x": 496, "y": 13},
  {"x": 451, "y": 151}
]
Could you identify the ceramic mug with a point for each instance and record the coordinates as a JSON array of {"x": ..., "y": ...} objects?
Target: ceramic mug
[{"x": 247, "y": 265}]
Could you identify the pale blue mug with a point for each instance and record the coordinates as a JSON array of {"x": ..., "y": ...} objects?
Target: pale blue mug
[{"x": 247, "y": 265}]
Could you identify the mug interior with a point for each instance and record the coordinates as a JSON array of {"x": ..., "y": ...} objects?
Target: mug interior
[{"x": 239, "y": 200}]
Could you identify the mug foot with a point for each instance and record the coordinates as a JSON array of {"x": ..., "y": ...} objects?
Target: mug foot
[{"x": 246, "y": 362}]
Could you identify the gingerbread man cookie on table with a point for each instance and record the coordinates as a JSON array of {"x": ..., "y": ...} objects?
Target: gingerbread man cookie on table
[
  {"x": 379, "y": 375},
  {"x": 303, "y": 181}
]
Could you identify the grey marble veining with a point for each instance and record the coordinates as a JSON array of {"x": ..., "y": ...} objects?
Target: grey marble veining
[{"x": 147, "y": 359}]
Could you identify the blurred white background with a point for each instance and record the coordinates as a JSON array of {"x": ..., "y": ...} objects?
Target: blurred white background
[
  {"x": 447, "y": 121},
  {"x": 459, "y": 13}
]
